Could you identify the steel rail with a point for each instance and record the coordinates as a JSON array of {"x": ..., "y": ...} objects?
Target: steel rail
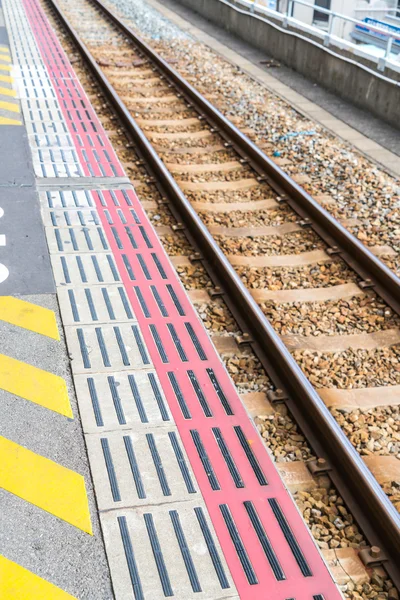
[
  {"x": 340, "y": 241},
  {"x": 374, "y": 512}
]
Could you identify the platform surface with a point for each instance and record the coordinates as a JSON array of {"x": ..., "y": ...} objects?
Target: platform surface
[{"x": 188, "y": 502}]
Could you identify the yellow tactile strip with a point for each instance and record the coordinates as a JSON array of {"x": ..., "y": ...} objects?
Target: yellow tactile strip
[
  {"x": 17, "y": 583},
  {"x": 9, "y": 108},
  {"x": 26, "y": 474},
  {"x": 29, "y": 316},
  {"x": 45, "y": 484},
  {"x": 36, "y": 385}
]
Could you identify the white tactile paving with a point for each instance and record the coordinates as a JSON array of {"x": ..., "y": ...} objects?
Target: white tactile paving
[
  {"x": 119, "y": 401},
  {"x": 125, "y": 416}
]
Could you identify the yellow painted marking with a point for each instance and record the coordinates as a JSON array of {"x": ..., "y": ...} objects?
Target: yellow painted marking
[
  {"x": 17, "y": 583},
  {"x": 5, "y": 57},
  {"x": 5, "y": 49},
  {"x": 5, "y": 67},
  {"x": 35, "y": 385},
  {"x": 7, "y": 121},
  {"x": 9, "y": 106},
  {"x": 45, "y": 484},
  {"x": 7, "y": 92},
  {"x": 29, "y": 316},
  {"x": 6, "y": 78}
]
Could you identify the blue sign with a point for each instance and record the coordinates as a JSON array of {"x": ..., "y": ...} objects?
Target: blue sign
[{"x": 377, "y": 34}]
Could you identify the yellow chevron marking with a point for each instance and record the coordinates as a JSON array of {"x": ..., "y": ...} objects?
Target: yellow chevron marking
[
  {"x": 9, "y": 106},
  {"x": 6, "y": 78},
  {"x": 7, "y": 92},
  {"x": 5, "y": 49},
  {"x": 7, "y": 121},
  {"x": 35, "y": 385},
  {"x": 5, "y": 67},
  {"x": 17, "y": 583},
  {"x": 29, "y": 316},
  {"x": 5, "y": 57},
  {"x": 44, "y": 483}
]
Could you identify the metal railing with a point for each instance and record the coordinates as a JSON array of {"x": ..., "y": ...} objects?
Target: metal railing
[
  {"x": 328, "y": 32},
  {"x": 332, "y": 16}
]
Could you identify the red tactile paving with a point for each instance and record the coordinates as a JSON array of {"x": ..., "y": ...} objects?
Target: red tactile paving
[{"x": 240, "y": 485}]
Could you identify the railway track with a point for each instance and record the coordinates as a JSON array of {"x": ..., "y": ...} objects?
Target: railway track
[{"x": 333, "y": 303}]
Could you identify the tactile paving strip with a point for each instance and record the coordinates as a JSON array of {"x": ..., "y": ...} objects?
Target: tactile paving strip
[
  {"x": 66, "y": 137},
  {"x": 167, "y": 547}
]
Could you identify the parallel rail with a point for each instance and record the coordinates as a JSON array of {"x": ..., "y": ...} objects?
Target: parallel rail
[{"x": 373, "y": 511}]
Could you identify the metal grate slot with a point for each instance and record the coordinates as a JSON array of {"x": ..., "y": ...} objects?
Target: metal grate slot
[
  {"x": 60, "y": 245},
  {"x": 108, "y": 304},
  {"x": 65, "y": 270},
  {"x": 187, "y": 558},
  {"x": 291, "y": 540},
  {"x": 230, "y": 463},
  {"x": 216, "y": 561},
  {"x": 199, "y": 394},
  {"x": 177, "y": 342},
  {"x": 74, "y": 308},
  {"x": 158, "y": 464},
  {"x": 145, "y": 236},
  {"x": 102, "y": 346},
  {"x": 134, "y": 467},
  {"x": 102, "y": 238},
  {"x": 159, "y": 265},
  {"x": 181, "y": 462},
  {"x": 131, "y": 238},
  {"x": 140, "y": 345},
  {"x": 138, "y": 399},
  {"x": 113, "y": 267},
  {"x": 74, "y": 241},
  {"x": 144, "y": 267},
  {"x": 196, "y": 342},
  {"x": 142, "y": 301},
  {"x": 158, "y": 556},
  {"x": 116, "y": 400},
  {"x": 220, "y": 393},
  {"x": 264, "y": 541},
  {"x": 117, "y": 238},
  {"x": 130, "y": 559},
  {"x": 95, "y": 402},
  {"x": 158, "y": 343},
  {"x": 122, "y": 217},
  {"x": 158, "y": 397},
  {"x": 84, "y": 349},
  {"x": 133, "y": 213},
  {"x": 250, "y": 455},
  {"x": 318, "y": 597},
  {"x": 128, "y": 267},
  {"x": 237, "y": 542},
  {"x": 90, "y": 302},
  {"x": 110, "y": 470},
  {"x": 111, "y": 192},
  {"x": 175, "y": 300},
  {"x": 125, "y": 303},
  {"x": 159, "y": 301},
  {"x": 97, "y": 269},
  {"x": 81, "y": 269},
  {"x": 212, "y": 478},
  {"x": 179, "y": 395}
]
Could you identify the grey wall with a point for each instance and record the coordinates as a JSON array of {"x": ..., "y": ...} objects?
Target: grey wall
[{"x": 353, "y": 83}]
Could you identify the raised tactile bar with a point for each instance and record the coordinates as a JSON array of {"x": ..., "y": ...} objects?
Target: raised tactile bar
[{"x": 166, "y": 540}]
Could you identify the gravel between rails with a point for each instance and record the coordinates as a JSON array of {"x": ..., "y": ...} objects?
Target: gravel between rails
[
  {"x": 285, "y": 448},
  {"x": 119, "y": 54},
  {"x": 359, "y": 189}
]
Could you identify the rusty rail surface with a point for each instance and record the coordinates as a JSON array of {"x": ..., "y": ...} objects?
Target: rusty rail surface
[{"x": 366, "y": 500}]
